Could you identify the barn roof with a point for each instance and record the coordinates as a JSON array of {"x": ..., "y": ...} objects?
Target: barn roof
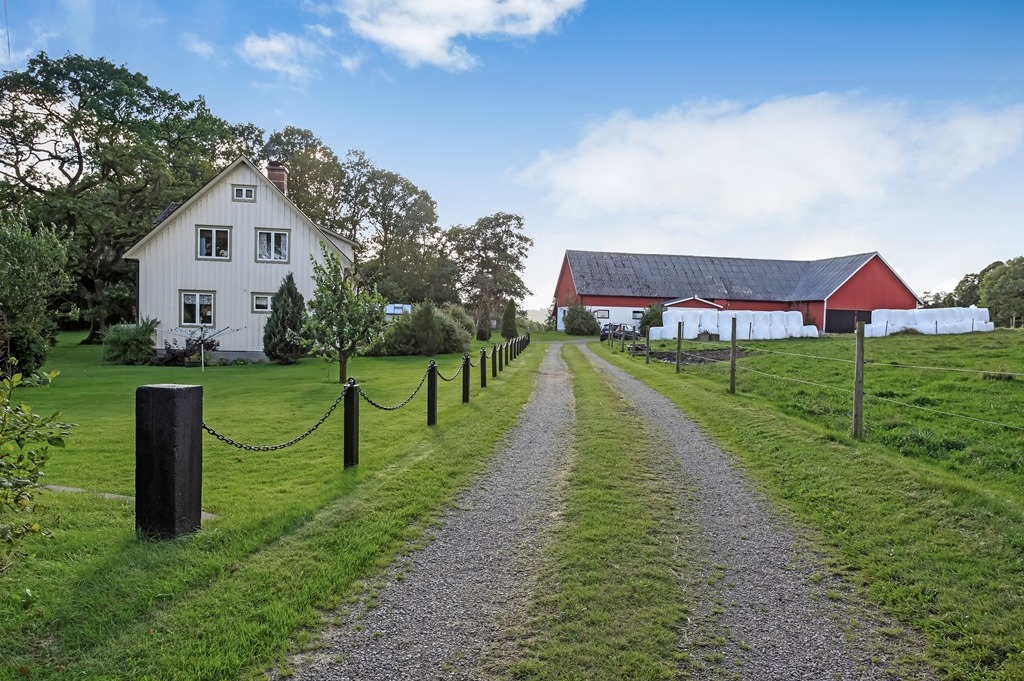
[{"x": 683, "y": 276}]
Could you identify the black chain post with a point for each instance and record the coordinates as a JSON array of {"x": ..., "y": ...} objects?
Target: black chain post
[
  {"x": 483, "y": 367},
  {"x": 431, "y": 393},
  {"x": 505, "y": 345},
  {"x": 465, "y": 378},
  {"x": 494, "y": 360},
  {"x": 352, "y": 424},
  {"x": 501, "y": 362}
]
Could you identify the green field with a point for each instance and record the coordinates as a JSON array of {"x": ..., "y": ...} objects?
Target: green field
[
  {"x": 294, "y": 534},
  {"x": 926, "y": 514}
]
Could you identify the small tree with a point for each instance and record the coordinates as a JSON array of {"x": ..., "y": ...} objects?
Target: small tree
[
  {"x": 508, "y": 321},
  {"x": 340, "y": 318},
  {"x": 652, "y": 317},
  {"x": 24, "y": 439},
  {"x": 1002, "y": 291},
  {"x": 281, "y": 342},
  {"x": 579, "y": 321}
]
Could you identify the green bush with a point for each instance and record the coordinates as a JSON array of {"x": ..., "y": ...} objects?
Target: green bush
[
  {"x": 652, "y": 317},
  {"x": 130, "y": 343},
  {"x": 24, "y": 440},
  {"x": 579, "y": 321},
  {"x": 427, "y": 331},
  {"x": 459, "y": 314},
  {"x": 29, "y": 344}
]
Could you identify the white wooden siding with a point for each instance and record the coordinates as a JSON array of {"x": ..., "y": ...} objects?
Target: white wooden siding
[{"x": 168, "y": 263}]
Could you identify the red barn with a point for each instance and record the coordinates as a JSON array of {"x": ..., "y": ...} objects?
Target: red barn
[{"x": 833, "y": 293}]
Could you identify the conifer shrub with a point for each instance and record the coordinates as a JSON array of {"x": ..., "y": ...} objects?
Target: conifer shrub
[
  {"x": 508, "y": 321},
  {"x": 281, "y": 340},
  {"x": 579, "y": 321}
]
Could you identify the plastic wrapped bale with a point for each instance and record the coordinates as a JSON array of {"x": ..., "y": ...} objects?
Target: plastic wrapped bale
[
  {"x": 708, "y": 321},
  {"x": 671, "y": 317},
  {"x": 929, "y": 329},
  {"x": 945, "y": 315},
  {"x": 794, "y": 324},
  {"x": 691, "y": 323},
  {"x": 881, "y": 317},
  {"x": 778, "y": 325},
  {"x": 761, "y": 318},
  {"x": 902, "y": 320},
  {"x": 978, "y": 314},
  {"x": 964, "y": 326},
  {"x": 988, "y": 326},
  {"x": 744, "y": 322},
  {"x": 654, "y": 333},
  {"x": 762, "y": 332},
  {"x": 725, "y": 325},
  {"x": 809, "y": 331}
]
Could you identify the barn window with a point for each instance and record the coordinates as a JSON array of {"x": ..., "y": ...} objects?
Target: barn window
[
  {"x": 213, "y": 243},
  {"x": 638, "y": 314},
  {"x": 601, "y": 314},
  {"x": 197, "y": 308}
]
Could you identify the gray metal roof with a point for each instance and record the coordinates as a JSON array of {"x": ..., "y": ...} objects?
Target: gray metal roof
[{"x": 682, "y": 276}]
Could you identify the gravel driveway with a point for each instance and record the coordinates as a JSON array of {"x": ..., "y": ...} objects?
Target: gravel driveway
[
  {"x": 437, "y": 613},
  {"x": 765, "y": 608}
]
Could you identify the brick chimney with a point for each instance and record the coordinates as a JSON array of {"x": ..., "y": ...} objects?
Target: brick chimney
[{"x": 278, "y": 174}]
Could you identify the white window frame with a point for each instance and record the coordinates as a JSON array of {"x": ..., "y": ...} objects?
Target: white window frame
[
  {"x": 245, "y": 193},
  {"x": 213, "y": 229},
  {"x": 286, "y": 233},
  {"x": 270, "y": 303},
  {"x": 199, "y": 323},
  {"x": 601, "y": 314},
  {"x": 638, "y": 314}
]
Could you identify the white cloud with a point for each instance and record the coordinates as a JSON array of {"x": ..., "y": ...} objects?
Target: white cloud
[
  {"x": 281, "y": 53},
  {"x": 425, "y": 31},
  {"x": 321, "y": 30},
  {"x": 720, "y": 165},
  {"x": 351, "y": 62},
  {"x": 198, "y": 46}
]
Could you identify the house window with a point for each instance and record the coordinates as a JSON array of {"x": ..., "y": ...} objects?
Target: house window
[
  {"x": 213, "y": 243},
  {"x": 271, "y": 245},
  {"x": 638, "y": 314},
  {"x": 243, "y": 192},
  {"x": 261, "y": 302},
  {"x": 197, "y": 308},
  {"x": 601, "y": 314}
]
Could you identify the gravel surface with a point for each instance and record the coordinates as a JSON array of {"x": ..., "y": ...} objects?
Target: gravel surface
[
  {"x": 437, "y": 611},
  {"x": 764, "y": 607}
]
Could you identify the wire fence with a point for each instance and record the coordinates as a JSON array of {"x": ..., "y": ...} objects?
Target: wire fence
[{"x": 850, "y": 389}]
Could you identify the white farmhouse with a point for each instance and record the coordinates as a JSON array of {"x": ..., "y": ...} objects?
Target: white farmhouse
[{"x": 214, "y": 262}]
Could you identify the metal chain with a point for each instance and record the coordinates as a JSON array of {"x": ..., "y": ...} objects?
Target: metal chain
[
  {"x": 271, "y": 448},
  {"x": 462, "y": 365},
  {"x": 400, "y": 404}
]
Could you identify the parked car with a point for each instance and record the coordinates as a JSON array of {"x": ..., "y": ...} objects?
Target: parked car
[{"x": 618, "y": 330}]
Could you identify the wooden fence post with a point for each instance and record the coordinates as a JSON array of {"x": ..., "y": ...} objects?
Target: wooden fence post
[
  {"x": 351, "y": 423},
  {"x": 647, "y": 346},
  {"x": 732, "y": 358},
  {"x": 858, "y": 385},
  {"x": 679, "y": 345}
]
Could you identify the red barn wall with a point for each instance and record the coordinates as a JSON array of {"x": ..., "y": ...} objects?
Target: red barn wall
[
  {"x": 619, "y": 301},
  {"x": 873, "y": 287},
  {"x": 565, "y": 289},
  {"x": 699, "y": 304}
]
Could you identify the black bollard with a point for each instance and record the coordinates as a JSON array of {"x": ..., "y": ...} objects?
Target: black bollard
[
  {"x": 168, "y": 460},
  {"x": 465, "y": 378},
  {"x": 494, "y": 360},
  {"x": 351, "y": 423},
  {"x": 501, "y": 362},
  {"x": 483, "y": 368},
  {"x": 431, "y": 393}
]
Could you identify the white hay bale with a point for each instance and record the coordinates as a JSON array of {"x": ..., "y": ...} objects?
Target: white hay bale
[
  {"x": 762, "y": 332},
  {"x": 809, "y": 331}
]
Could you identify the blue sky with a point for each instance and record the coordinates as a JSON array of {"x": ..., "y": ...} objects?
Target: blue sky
[{"x": 790, "y": 130}]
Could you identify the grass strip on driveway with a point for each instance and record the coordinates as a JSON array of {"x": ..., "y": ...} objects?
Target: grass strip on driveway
[
  {"x": 941, "y": 552},
  {"x": 609, "y": 600}
]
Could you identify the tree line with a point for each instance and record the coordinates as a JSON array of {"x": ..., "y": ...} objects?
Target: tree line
[
  {"x": 999, "y": 287},
  {"x": 91, "y": 153}
]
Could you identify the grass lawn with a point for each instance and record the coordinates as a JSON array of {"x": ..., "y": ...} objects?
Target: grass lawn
[
  {"x": 294, "y": 533},
  {"x": 926, "y": 513}
]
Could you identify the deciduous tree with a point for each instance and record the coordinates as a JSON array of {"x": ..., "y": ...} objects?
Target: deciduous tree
[
  {"x": 1002, "y": 291},
  {"x": 341, "y": 319}
]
